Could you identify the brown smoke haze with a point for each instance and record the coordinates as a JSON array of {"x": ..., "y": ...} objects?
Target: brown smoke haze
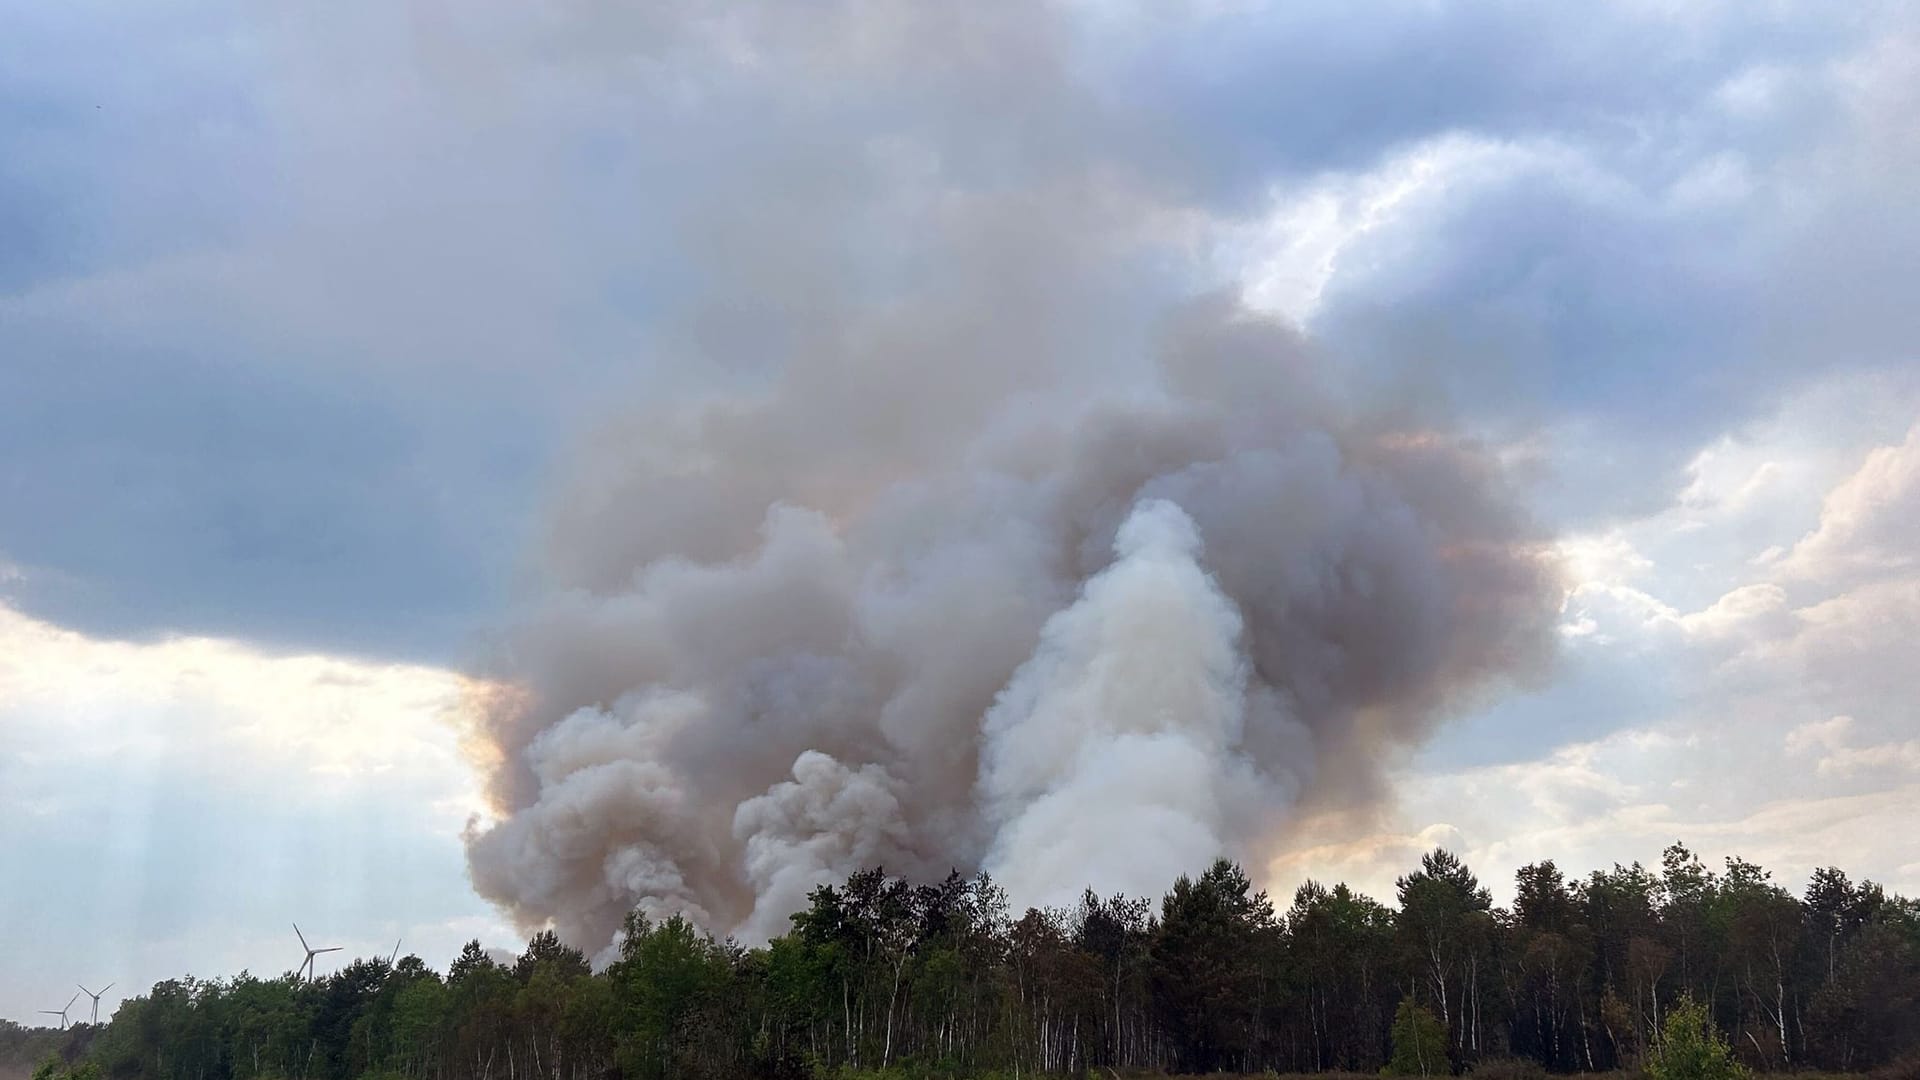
[{"x": 967, "y": 532}]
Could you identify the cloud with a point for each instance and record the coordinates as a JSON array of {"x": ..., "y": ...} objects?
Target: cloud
[
  {"x": 1829, "y": 734},
  {"x": 168, "y": 805},
  {"x": 1239, "y": 92},
  {"x": 1867, "y": 524},
  {"x": 1548, "y": 269},
  {"x": 1369, "y": 863},
  {"x": 1780, "y": 716},
  {"x": 193, "y": 698},
  {"x": 1846, "y": 760}
]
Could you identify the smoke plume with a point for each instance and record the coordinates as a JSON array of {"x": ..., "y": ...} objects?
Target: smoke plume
[
  {"x": 982, "y": 539},
  {"x": 1124, "y": 732}
]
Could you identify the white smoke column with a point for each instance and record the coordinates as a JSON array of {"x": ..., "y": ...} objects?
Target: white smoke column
[{"x": 1114, "y": 753}]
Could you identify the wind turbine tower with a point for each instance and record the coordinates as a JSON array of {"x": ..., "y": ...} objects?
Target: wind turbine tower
[
  {"x": 96, "y": 1000},
  {"x": 62, "y": 1011},
  {"x": 307, "y": 964}
]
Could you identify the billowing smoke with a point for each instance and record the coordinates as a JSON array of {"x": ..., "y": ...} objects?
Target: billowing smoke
[
  {"x": 980, "y": 539},
  {"x": 1124, "y": 732},
  {"x": 1099, "y": 647}
]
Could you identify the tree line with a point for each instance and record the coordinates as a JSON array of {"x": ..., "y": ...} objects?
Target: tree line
[{"x": 880, "y": 974}]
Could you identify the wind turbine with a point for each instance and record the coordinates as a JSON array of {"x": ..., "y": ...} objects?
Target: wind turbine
[
  {"x": 62, "y": 1011},
  {"x": 307, "y": 964},
  {"x": 96, "y": 1000}
]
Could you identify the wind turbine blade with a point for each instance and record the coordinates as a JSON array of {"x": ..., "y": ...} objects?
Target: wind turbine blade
[
  {"x": 88, "y": 992},
  {"x": 106, "y": 988},
  {"x": 70, "y": 1002},
  {"x": 301, "y": 936},
  {"x": 336, "y": 948}
]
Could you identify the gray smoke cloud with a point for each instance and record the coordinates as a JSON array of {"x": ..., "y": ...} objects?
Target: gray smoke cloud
[{"x": 981, "y": 540}]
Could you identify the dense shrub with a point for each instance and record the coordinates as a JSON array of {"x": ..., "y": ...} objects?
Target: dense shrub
[{"x": 1690, "y": 1047}]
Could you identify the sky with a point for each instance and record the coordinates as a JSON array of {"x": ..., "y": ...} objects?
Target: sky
[{"x": 316, "y": 319}]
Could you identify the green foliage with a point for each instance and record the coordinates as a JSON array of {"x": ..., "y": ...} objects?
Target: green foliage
[
  {"x": 1214, "y": 934},
  {"x": 881, "y": 978},
  {"x": 1691, "y": 1048},
  {"x": 666, "y": 975},
  {"x": 53, "y": 1068},
  {"x": 1338, "y": 945},
  {"x": 1419, "y": 1043}
]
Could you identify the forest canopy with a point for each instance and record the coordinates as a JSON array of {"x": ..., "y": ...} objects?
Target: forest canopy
[{"x": 943, "y": 979}]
